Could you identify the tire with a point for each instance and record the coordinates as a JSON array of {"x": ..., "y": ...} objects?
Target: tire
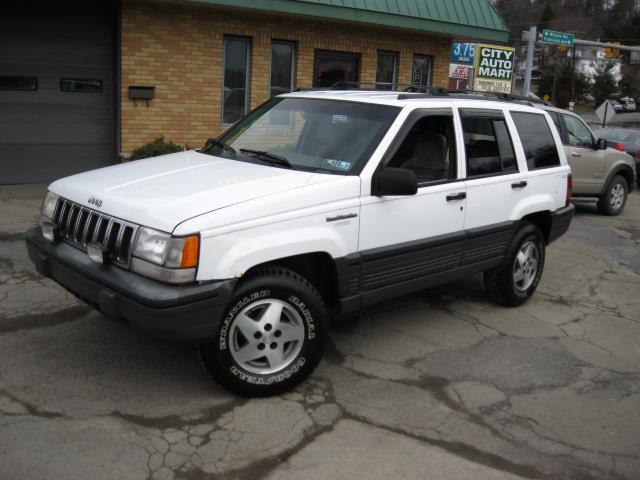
[
  {"x": 614, "y": 199},
  {"x": 510, "y": 284},
  {"x": 275, "y": 311}
]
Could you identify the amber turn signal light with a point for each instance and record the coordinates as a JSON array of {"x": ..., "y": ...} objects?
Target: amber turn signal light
[{"x": 190, "y": 252}]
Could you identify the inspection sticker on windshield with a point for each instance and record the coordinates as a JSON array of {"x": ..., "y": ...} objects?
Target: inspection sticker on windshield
[{"x": 337, "y": 164}]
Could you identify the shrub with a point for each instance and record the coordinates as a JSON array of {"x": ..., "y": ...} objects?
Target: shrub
[{"x": 159, "y": 146}]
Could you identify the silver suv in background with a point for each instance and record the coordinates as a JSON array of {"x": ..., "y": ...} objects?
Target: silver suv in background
[
  {"x": 628, "y": 104},
  {"x": 599, "y": 171}
]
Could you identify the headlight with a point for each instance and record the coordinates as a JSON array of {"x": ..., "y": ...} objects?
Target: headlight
[
  {"x": 165, "y": 258},
  {"x": 151, "y": 245},
  {"x": 49, "y": 205}
]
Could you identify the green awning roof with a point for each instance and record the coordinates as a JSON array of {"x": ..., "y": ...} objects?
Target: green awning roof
[{"x": 476, "y": 19}]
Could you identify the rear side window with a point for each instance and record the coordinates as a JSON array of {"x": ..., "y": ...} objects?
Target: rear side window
[
  {"x": 488, "y": 144},
  {"x": 537, "y": 141}
]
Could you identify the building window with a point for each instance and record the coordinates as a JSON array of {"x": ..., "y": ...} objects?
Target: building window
[
  {"x": 235, "y": 89},
  {"x": 283, "y": 67},
  {"x": 331, "y": 67},
  {"x": 77, "y": 85},
  {"x": 18, "y": 83},
  {"x": 387, "y": 70},
  {"x": 422, "y": 70}
]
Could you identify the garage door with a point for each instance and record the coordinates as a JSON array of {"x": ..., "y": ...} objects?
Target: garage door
[{"x": 56, "y": 90}]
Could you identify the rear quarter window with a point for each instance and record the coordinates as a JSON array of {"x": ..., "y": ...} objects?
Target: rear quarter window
[{"x": 537, "y": 141}]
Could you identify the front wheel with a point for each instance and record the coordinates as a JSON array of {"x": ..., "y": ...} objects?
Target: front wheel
[
  {"x": 614, "y": 198},
  {"x": 513, "y": 281},
  {"x": 272, "y": 335}
]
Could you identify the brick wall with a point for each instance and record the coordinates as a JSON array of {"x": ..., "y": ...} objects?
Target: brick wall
[{"x": 179, "y": 50}]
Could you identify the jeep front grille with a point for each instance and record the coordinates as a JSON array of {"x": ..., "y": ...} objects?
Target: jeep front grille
[{"x": 80, "y": 225}]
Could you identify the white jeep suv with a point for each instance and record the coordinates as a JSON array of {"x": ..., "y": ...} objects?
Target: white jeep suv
[{"x": 314, "y": 206}]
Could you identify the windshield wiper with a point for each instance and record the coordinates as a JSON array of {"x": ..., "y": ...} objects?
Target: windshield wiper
[
  {"x": 268, "y": 157},
  {"x": 212, "y": 142}
]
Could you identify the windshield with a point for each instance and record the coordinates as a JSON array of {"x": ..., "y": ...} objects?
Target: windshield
[{"x": 331, "y": 136}]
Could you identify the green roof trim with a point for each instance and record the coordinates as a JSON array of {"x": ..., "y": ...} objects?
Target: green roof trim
[{"x": 475, "y": 19}]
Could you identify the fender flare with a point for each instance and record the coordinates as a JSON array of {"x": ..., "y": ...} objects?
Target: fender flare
[
  {"x": 243, "y": 253},
  {"x": 616, "y": 171}
]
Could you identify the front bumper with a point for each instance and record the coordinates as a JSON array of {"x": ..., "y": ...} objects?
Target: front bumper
[
  {"x": 560, "y": 222},
  {"x": 188, "y": 312}
]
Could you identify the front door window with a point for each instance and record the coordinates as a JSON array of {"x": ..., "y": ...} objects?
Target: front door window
[{"x": 578, "y": 134}]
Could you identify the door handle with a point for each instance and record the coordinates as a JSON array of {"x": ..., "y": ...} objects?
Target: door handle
[
  {"x": 576, "y": 154},
  {"x": 456, "y": 196},
  {"x": 521, "y": 184}
]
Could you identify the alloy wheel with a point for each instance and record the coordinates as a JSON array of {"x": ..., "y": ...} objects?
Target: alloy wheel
[
  {"x": 525, "y": 267},
  {"x": 266, "y": 336},
  {"x": 616, "y": 198}
]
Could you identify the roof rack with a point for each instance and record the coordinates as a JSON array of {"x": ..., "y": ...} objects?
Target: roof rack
[
  {"x": 476, "y": 94},
  {"x": 406, "y": 87},
  {"x": 410, "y": 91}
]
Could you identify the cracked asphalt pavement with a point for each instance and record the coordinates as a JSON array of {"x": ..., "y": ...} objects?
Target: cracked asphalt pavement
[{"x": 438, "y": 384}]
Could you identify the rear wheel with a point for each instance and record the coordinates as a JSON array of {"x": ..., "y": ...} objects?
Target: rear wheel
[
  {"x": 614, "y": 198},
  {"x": 272, "y": 336},
  {"x": 513, "y": 281}
]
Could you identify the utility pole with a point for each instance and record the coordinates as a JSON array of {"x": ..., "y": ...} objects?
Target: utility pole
[
  {"x": 533, "y": 33},
  {"x": 573, "y": 73},
  {"x": 554, "y": 86}
]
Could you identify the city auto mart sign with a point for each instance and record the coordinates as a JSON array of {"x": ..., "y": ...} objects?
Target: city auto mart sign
[{"x": 494, "y": 68}]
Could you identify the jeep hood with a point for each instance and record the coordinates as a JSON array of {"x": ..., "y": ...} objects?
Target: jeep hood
[{"x": 162, "y": 192}]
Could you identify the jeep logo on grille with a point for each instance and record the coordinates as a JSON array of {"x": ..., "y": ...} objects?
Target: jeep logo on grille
[{"x": 95, "y": 201}]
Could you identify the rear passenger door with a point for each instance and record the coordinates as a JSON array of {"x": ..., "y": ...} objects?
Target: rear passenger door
[
  {"x": 494, "y": 183},
  {"x": 405, "y": 240},
  {"x": 546, "y": 177}
]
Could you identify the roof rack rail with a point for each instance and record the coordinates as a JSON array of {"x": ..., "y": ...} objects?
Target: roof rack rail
[
  {"x": 476, "y": 94},
  {"x": 406, "y": 87},
  {"x": 411, "y": 91}
]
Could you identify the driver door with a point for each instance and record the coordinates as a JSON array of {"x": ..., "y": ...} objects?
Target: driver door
[
  {"x": 586, "y": 161},
  {"x": 405, "y": 240}
]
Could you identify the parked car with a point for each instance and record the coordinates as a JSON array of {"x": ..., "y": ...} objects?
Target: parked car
[
  {"x": 617, "y": 107},
  {"x": 361, "y": 198},
  {"x": 623, "y": 139},
  {"x": 599, "y": 171},
  {"x": 628, "y": 104}
]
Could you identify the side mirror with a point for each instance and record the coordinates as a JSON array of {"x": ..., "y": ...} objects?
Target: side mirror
[
  {"x": 601, "y": 144},
  {"x": 394, "y": 181}
]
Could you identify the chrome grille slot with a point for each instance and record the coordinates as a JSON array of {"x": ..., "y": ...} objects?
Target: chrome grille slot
[
  {"x": 125, "y": 242},
  {"x": 64, "y": 215},
  {"x": 58, "y": 211},
  {"x": 101, "y": 232},
  {"x": 71, "y": 222},
  {"x": 78, "y": 234},
  {"x": 112, "y": 238},
  {"x": 87, "y": 236},
  {"x": 80, "y": 225}
]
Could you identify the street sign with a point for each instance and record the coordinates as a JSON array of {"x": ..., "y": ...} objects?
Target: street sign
[
  {"x": 462, "y": 52},
  {"x": 494, "y": 68},
  {"x": 557, "y": 38},
  {"x": 605, "y": 112}
]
